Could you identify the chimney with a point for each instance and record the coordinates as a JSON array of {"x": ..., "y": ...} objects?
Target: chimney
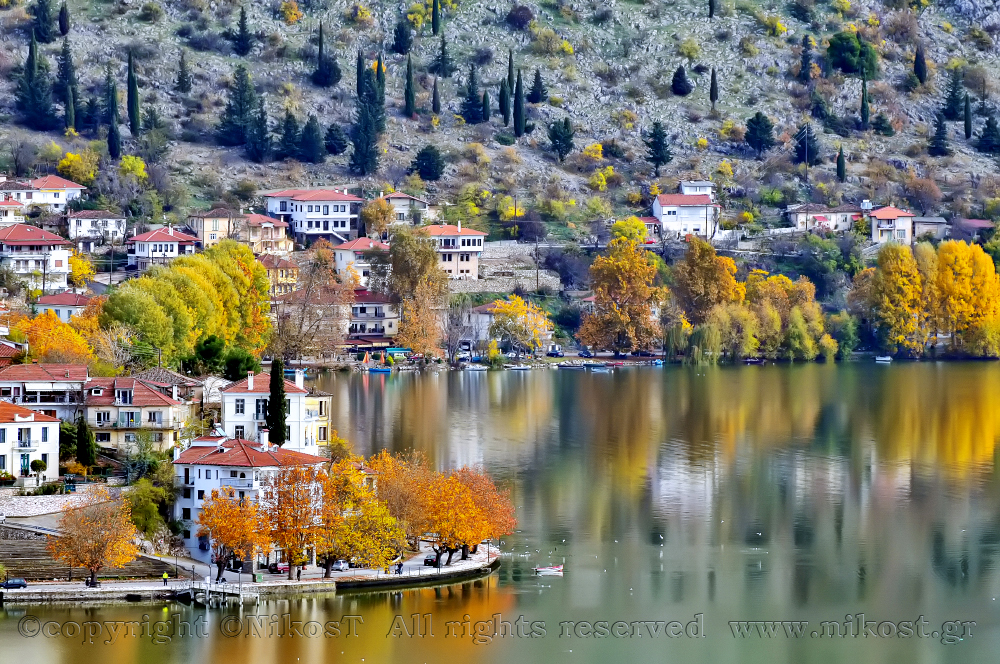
[
  {"x": 250, "y": 380},
  {"x": 177, "y": 453},
  {"x": 175, "y": 393},
  {"x": 262, "y": 437},
  {"x": 459, "y": 225},
  {"x": 170, "y": 229},
  {"x": 300, "y": 377}
]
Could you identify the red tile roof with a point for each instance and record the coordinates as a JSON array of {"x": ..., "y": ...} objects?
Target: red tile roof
[
  {"x": 10, "y": 412},
  {"x": 95, "y": 214},
  {"x": 272, "y": 262},
  {"x": 65, "y": 299},
  {"x": 217, "y": 213},
  {"x": 976, "y": 223},
  {"x": 8, "y": 351},
  {"x": 11, "y": 202},
  {"x": 314, "y": 195},
  {"x": 362, "y": 296},
  {"x": 261, "y": 385},
  {"x": 255, "y": 219},
  {"x": 649, "y": 220},
  {"x": 890, "y": 212},
  {"x": 142, "y": 394},
  {"x": 244, "y": 454},
  {"x": 55, "y": 182},
  {"x": 44, "y": 373},
  {"x": 449, "y": 229},
  {"x": 399, "y": 194},
  {"x": 25, "y": 234},
  {"x": 362, "y": 244},
  {"x": 683, "y": 200},
  {"x": 164, "y": 235}
]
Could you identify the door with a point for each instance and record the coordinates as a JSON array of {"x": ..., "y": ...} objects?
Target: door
[{"x": 25, "y": 465}]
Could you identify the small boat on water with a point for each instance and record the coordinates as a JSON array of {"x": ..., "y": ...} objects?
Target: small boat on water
[
  {"x": 571, "y": 365},
  {"x": 554, "y": 570},
  {"x": 657, "y": 363},
  {"x": 753, "y": 360},
  {"x": 380, "y": 370},
  {"x": 519, "y": 367},
  {"x": 291, "y": 370},
  {"x": 597, "y": 367},
  {"x": 883, "y": 359},
  {"x": 475, "y": 367}
]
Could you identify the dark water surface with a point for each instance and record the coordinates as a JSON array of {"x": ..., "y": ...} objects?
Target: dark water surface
[{"x": 682, "y": 501}]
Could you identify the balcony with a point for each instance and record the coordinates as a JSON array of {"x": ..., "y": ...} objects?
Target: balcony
[
  {"x": 239, "y": 483},
  {"x": 27, "y": 445},
  {"x": 887, "y": 225}
]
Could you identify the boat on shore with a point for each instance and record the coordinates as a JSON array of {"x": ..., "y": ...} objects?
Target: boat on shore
[
  {"x": 379, "y": 370},
  {"x": 571, "y": 365},
  {"x": 883, "y": 359},
  {"x": 518, "y": 367},
  {"x": 554, "y": 570},
  {"x": 475, "y": 367}
]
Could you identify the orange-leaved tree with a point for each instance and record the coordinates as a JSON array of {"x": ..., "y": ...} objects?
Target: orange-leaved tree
[
  {"x": 403, "y": 485},
  {"x": 236, "y": 527},
  {"x": 495, "y": 506},
  {"x": 704, "y": 279},
  {"x": 97, "y": 535},
  {"x": 289, "y": 499},
  {"x": 454, "y": 518},
  {"x": 51, "y": 340}
]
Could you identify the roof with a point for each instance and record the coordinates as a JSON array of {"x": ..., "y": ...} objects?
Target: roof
[
  {"x": 216, "y": 213},
  {"x": 976, "y": 223},
  {"x": 55, "y": 182},
  {"x": 7, "y": 350},
  {"x": 254, "y": 219},
  {"x": 450, "y": 229},
  {"x": 164, "y": 235},
  {"x": 314, "y": 195},
  {"x": 846, "y": 207},
  {"x": 261, "y": 385},
  {"x": 649, "y": 220},
  {"x": 166, "y": 377},
  {"x": 95, "y": 214},
  {"x": 25, "y": 234},
  {"x": 142, "y": 394},
  {"x": 272, "y": 262},
  {"x": 890, "y": 212},
  {"x": 820, "y": 217},
  {"x": 44, "y": 373},
  {"x": 241, "y": 453},
  {"x": 362, "y": 296},
  {"x": 65, "y": 299},
  {"x": 683, "y": 200},
  {"x": 362, "y": 244},
  {"x": 698, "y": 183},
  {"x": 399, "y": 194},
  {"x": 930, "y": 220},
  {"x": 485, "y": 308},
  {"x": 15, "y": 185},
  {"x": 10, "y": 412},
  {"x": 12, "y": 202}
]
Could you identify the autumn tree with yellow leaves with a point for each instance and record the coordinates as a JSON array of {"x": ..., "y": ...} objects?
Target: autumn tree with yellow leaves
[
  {"x": 50, "y": 339},
  {"x": 402, "y": 486},
  {"x": 377, "y": 215},
  {"x": 704, "y": 279},
  {"x": 236, "y": 527},
  {"x": 98, "y": 535},
  {"x": 290, "y": 504},
  {"x": 521, "y": 324}
]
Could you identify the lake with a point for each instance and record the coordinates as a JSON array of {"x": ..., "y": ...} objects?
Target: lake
[{"x": 715, "y": 514}]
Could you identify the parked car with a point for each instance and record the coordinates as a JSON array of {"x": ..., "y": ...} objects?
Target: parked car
[
  {"x": 14, "y": 583},
  {"x": 620, "y": 356},
  {"x": 511, "y": 354},
  {"x": 585, "y": 353},
  {"x": 341, "y": 566},
  {"x": 555, "y": 353},
  {"x": 643, "y": 353},
  {"x": 431, "y": 560}
]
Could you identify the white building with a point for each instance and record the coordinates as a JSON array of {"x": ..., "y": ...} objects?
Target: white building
[
  {"x": 352, "y": 255},
  {"x": 91, "y": 228},
  {"x": 64, "y": 305},
  {"x": 698, "y": 188},
  {"x": 458, "y": 248},
  {"x": 244, "y": 411},
  {"x": 55, "y": 192},
  {"x": 39, "y": 257},
  {"x": 811, "y": 216},
  {"x": 11, "y": 211},
  {"x": 374, "y": 319},
  {"x": 314, "y": 214},
  {"x": 26, "y": 436},
  {"x": 687, "y": 214},
  {"x": 890, "y": 224},
  {"x": 410, "y": 209},
  {"x": 159, "y": 247},
  {"x": 52, "y": 389}
]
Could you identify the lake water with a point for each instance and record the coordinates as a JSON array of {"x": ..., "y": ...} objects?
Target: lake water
[{"x": 683, "y": 502}]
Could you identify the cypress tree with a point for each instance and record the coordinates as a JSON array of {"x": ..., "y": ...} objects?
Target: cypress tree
[
  {"x": 806, "y": 146},
  {"x": 336, "y": 140},
  {"x": 183, "y": 83},
  {"x": 258, "y": 144},
  {"x": 968, "y": 117},
  {"x": 442, "y": 64},
  {"x": 805, "y": 66},
  {"x": 311, "y": 148},
  {"x": 132, "y": 104},
  {"x": 504, "y": 102},
  {"x": 380, "y": 76},
  {"x": 510, "y": 70},
  {"x": 841, "y": 165},
  {"x": 111, "y": 114},
  {"x": 288, "y": 143},
  {"x": 680, "y": 85},
  {"x": 409, "y": 93},
  {"x": 865, "y": 110},
  {"x": 711, "y": 8},
  {"x": 920, "y": 64},
  {"x": 327, "y": 71},
  {"x": 713, "y": 90},
  {"x": 378, "y": 106},
  {"x": 364, "y": 133},
  {"x": 472, "y": 105},
  {"x": 659, "y": 149},
  {"x": 63, "y": 20},
  {"x": 519, "y": 118},
  {"x": 436, "y": 99},
  {"x": 436, "y": 17},
  {"x": 402, "y": 39},
  {"x": 66, "y": 75},
  {"x": 561, "y": 137},
  {"x": 42, "y": 12},
  {"x": 70, "y": 112},
  {"x": 276, "y": 404},
  {"x": 954, "y": 100},
  {"x": 538, "y": 93},
  {"x": 86, "y": 448},
  {"x": 487, "y": 111},
  {"x": 938, "y": 146},
  {"x": 989, "y": 138},
  {"x": 239, "y": 111},
  {"x": 34, "y": 91},
  {"x": 360, "y": 72},
  {"x": 114, "y": 141},
  {"x": 244, "y": 40}
]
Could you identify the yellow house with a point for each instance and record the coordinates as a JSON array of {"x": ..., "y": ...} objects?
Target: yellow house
[{"x": 281, "y": 272}]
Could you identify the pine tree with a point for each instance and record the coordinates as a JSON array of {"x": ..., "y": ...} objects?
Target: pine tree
[
  {"x": 806, "y": 146},
  {"x": 364, "y": 133},
  {"x": 311, "y": 147},
  {"x": 436, "y": 17},
  {"x": 760, "y": 133},
  {"x": 989, "y": 138},
  {"x": 239, "y": 111},
  {"x": 336, "y": 140},
  {"x": 659, "y": 154},
  {"x": 34, "y": 91},
  {"x": 519, "y": 117},
  {"x": 114, "y": 141},
  {"x": 472, "y": 105},
  {"x": 968, "y": 117},
  {"x": 327, "y": 73},
  {"x": 865, "y": 110},
  {"x": 882, "y": 126},
  {"x": 538, "y": 93},
  {"x": 428, "y": 164},
  {"x": 561, "y": 137},
  {"x": 954, "y": 99},
  {"x": 42, "y": 24},
  {"x": 183, "y": 83},
  {"x": 288, "y": 142},
  {"x": 504, "y": 102},
  {"x": 66, "y": 75},
  {"x": 938, "y": 146},
  {"x": 487, "y": 111},
  {"x": 86, "y": 447},
  {"x": 680, "y": 85},
  {"x": 711, "y": 8},
  {"x": 132, "y": 103},
  {"x": 920, "y": 64},
  {"x": 258, "y": 144},
  {"x": 276, "y": 404},
  {"x": 841, "y": 165},
  {"x": 510, "y": 70},
  {"x": 436, "y": 99},
  {"x": 805, "y": 65},
  {"x": 244, "y": 40},
  {"x": 409, "y": 93},
  {"x": 442, "y": 64},
  {"x": 91, "y": 119},
  {"x": 713, "y": 90},
  {"x": 63, "y": 20},
  {"x": 360, "y": 73},
  {"x": 69, "y": 114},
  {"x": 402, "y": 38}
]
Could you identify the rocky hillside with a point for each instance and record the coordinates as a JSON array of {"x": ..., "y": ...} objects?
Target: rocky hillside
[{"x": 608, "y": 66}]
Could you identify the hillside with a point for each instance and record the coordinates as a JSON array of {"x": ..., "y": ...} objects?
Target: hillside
[{"x": 608, "y": 68}]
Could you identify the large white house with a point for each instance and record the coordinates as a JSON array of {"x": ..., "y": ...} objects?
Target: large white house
[
  {"x": 811, "y": 216},
  {"x": 26, "y": 436},
  {"x": 90, "y": 228},
  {"x": 410, "y": 209},
  {"x": 313, "y": 214},
  {"x": 351, "y": 255},
  {"x": 52, "y": 389},
  {"x": 38, "y": 257},
  {"x": 159, "y": 247},
  {"x": 244, "y": 411},
  {"x": 49, "y": 191},
  {"x": 686, "y": 214},
  {"x": 458, "y": 248}
]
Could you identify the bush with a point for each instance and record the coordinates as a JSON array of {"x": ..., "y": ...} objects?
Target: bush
[
  {"x": 505, "y": 139},
  {"x": 151, "y": 12},
  {"x": 520, "y": 17},
  {"x": 852, "y": 55}
]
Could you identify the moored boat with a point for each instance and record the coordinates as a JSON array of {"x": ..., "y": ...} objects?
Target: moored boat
[
  {"x": 554, "y": 570},
  {"x": 883, "y": 359}
]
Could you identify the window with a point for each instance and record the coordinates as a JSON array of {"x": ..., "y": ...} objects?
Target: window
[
  {"x": 45, "y": 434},
  {"x": 260, "y": 411},
  {"x": 463, "y": 257},
  {"x": 123, "y": 396},
  {"x": 326, "y": 209},
  {"x": 24, "y": 436},
  {"x": 201, "y": 494},
  {"x": 310, "y": 209},
  {"x": 187, "y": 534},
  {"x": 186, "y": 513},
  {"x": 322, "y": 408},
  {"x": 186, "y": 492},
  {"x": 102, "y": 437},
  {"x": 3, "y": 462},
  {"x": 288, "y": 432},
  {"x": 3, "y": 435},
  {"x": 103, "y": 416},
  {"x": 154, "y": 417},
  {"x": 321, "y": 433},
  {"x": 211, "y": 236},
  {"x": 239, "y": 431},
  {"x": 671, "y": 213},
  {"x": 130, "y": 438},
  {"x": 901, "y": 234},
  {"x": 240, "y": 406},
  {"x": 283, "y": 206},
  {"x": 288, "y": 406},
  {"x": 215, "y": 224}
]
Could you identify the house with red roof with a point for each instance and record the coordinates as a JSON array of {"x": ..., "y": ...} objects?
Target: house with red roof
[
  {"x": 50, "y": 192},
  {"x": 11, "y": 211},
  {"x": 119, "y": 410},
  {"x": 353, "y": 256},
  {"x": 64, "y": 305},
  {"x": 159, "y": 247},
  {"x": 374, "y": 320},
  {"x": 262, "y": 233},
  {"x": 687, "y": 214},
  {"x": 312, "y": 214},
  {"x": 92, "y": 228},
  {"x": 281, "y": 272},
  {"x": 458, "y": 248},
  {"x": 891, "y": 224},
  {"x": 38, "y": 257},
  {"x": 244, "y": 411},
  {"x": 812, "y": 216},
  {"x": 26, "y": 436},
  {"x": 52, "y": 389},
  {"x": 410, "y": 209}
]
